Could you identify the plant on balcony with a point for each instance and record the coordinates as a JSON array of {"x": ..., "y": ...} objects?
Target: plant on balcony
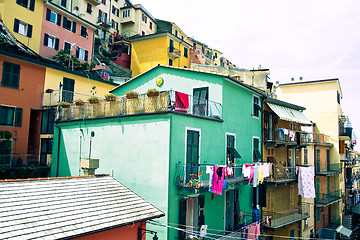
[
  {"x": 49, "y": 90},
  {"x": 64, "y": 104},
  {"x": 93, "y": 100},
  {"x": 79, "y": 102},
  {"x": 152, "y": 92},
  {"x": 131, "y": 94},
  {"x": 110, "y": 97},
  {"x": 195, "y": 180}
]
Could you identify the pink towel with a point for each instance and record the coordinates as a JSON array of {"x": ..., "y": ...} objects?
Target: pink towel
[
  {"x": 181, "y": 102},
  {"x": 251, "y": 174},
  {"x": 218, "y": 180}
]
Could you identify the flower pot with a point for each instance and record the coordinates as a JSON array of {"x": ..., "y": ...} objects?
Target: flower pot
[
  {"x": 153, "y": 94},
  {"x": 65, "y": 106},
  {"x": 49, "y": 90},
  {"x": 131, "y": 96},
  {"x": 111, "y": 99},
  {"x": 79, "y": 103},
  {"x": 94, "y": 101}
]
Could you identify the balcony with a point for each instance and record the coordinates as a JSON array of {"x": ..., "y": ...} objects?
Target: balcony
[
  {"x": 128, "y": 19},
  {"x": 174, "y": 52},
  {"x": 276, "y": 220},
  {"x": 345, "y": 129},
  {"x": 323, "y": 199},
  {"x": 53, "y": 98},
  {"x": 190, "y": 176},
  {"x": 95, "y": 2},
  {"x": 315, "y": 138},
  {"x": 165, "y": 102},
  {"x": 282, "y": 175},
  {"x": 281, "y": 137},
  {"x": 328, "y": 169},
  {"x": 103, "y": 22}
]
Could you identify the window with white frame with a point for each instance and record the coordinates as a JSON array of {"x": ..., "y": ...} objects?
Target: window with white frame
[
  {"x": 67, "y": 47},
  {"x": 126, "y": 13},
  {"x": 256, "y": 149},
  {"x": 22, "y": 28},
  {"x": 29, "y": 4},
  {"x": 53, "y": 17},
  {"x": 89, "y": 8},
  {"x": 144, "y": 18},
  {"x": 231, "y": 152},
  {"x": 69, "y": 25},
  {"x": 115, "y": 11},
  {"x": 82, "y": 54},
  {"x": 51, "y": 41},
  {"x": 256, "y": 106},
  {"x": 83, "y": 32}
]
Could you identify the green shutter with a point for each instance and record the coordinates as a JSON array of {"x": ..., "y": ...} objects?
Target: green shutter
[{"x": 18, "y": 117}]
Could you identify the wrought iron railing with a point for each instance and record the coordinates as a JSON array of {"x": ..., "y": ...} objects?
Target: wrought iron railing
[
  {"x": 282, "y": 135},
  {"x": 53, "y": 98},
  {"x": 195, "y": 175},
  {"x": 328, "y": 169},
  {"x": 282, "y": 174},
  {"x": 175, "y": 51},
  {"x": 326, "y": 198},
  {"x": 311, "y": 137},
  {"x": 165, "y": 101},
  {"x": 103, "y": 20},
  {"x": 272, "y": 219}
]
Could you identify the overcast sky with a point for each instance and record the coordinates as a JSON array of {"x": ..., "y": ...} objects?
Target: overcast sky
[{"x": 315, "y": 39}]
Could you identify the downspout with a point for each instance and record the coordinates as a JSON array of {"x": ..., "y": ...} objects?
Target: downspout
[{"x": 58, "y": 152}]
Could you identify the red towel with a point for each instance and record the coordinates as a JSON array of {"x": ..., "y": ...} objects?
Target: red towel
[{"x": 181, "y": 102}]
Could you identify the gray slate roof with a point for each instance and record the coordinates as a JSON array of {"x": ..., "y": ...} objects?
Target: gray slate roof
[{"x": 64, "y": 208}]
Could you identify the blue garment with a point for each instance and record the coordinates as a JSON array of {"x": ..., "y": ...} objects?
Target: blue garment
[
  {"x": 256, "y": 215},
  {"x": 282, "y": 134}
]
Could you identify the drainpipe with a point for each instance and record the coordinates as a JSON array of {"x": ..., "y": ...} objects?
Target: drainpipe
[{"x": 58, "y": 153}]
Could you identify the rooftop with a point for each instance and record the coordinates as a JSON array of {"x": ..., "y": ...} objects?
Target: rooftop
[{"x": 68, "y": 207}]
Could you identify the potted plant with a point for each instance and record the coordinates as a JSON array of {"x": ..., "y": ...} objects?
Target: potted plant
[
  {"x": 79, "y": 102},
  {"x": 152, "y": 92},
  {"x": 64, "y": 104},
  {"x": 131, "y": 94},
  {"x": 49, "y": 90},
  {"x": 110, "y": 97},
  {"x": 93, "y": 100}
]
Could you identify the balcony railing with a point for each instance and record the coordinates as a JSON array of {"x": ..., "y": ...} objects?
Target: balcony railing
[
  {"x": 282, "y": 174},
  {"x": 23, "y": 160},
  {"x": 308, "y": 137},
  {"x": 275, "y": 220},
  {"x": 328, "y": 169},
  {"x": 174, "y": 52},
  {"x": 323, "y": 199},
  {"x": 165, "y": 102},
  {"x": 102, "y": 21},
  {"x": 195, "y": 176},
  {"x": 281, "y": 135},
  {"x": 53, "y": 99}
]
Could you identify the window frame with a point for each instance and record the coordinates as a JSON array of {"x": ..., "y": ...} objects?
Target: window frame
[
  {"x": 89, "y": 9},
  {"x": 55, "y": 41},
  {"x": 186, "y": 52},
  {"x": 256, "y": 110},
  {"x": 86, "y": 32},
  {"x": 171, "y": 62},
  {"x": 126, "y": 13},
  {"x": 14, "y": 113},
  {"x": 199, "y": 151},
  {"x": 27, "y": 28},
  {"x": 11, "y": 73},
  {"x": 84, "y": 52},
  {"x": 30, "y": 4},
  {"x": 253, "y": 149}
]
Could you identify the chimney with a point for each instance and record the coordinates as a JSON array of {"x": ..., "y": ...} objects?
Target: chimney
[
  {"x": 89, "y": 166},
  {"x": 300, "y": 78},
  {"x": 292, "y": 79}
]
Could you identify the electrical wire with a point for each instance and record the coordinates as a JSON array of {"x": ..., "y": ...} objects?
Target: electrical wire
[{"x": 197, "y": 233}]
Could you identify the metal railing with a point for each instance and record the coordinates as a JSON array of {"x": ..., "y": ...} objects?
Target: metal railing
[
  {"x": 273, "y": 219},
  {"x": 282, "y": 174},
  {"x": 165, "y": 101},
  {"x": 53, "y": 99},
  {"x": 103, "y": 20},
  {"x": 311, "y": 137},
  {"x": 327, "y": 198},
  {"x": 174, "y": 51},
  {"x": 281, "y": 135},
  {"x": 194, "y": 175},
  {"x": 328, "y": 169},
  {"x": 22, "y": 160}
]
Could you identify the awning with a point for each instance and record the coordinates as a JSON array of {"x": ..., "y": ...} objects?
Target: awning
[
  {"x": 344, "y": 231},
  {"x": 289, "y": 114}
]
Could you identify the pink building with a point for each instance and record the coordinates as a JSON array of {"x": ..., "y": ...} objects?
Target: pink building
[{"x": 64, "y": 30}]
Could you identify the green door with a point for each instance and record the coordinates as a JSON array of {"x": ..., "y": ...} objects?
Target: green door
[
  {"x": 328, "y": 159},
  {"x": 192, "y": 153},
  {"x": 317, "y": 189}
]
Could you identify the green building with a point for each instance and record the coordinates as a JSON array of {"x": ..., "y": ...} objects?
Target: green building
[{"x": 161, "y": 146}]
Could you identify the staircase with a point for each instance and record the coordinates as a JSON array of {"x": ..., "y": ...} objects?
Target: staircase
[
  {"x": 347, "y": 222},
  {"x": 328, "y": 233}
]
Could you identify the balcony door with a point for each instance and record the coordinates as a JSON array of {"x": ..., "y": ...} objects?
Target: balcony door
[
  {"x": 192, "y": 153},
  {"x": 192, "y": 214},
  {"x": 68, "y": 90},
  {"x": 200, "y": 101},
  {"x": 232, "y": 209}
]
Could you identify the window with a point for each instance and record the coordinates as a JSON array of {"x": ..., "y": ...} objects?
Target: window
[
  {"x": 63, "y": 3},
  {"x": 114, "y": 25},
  {"x": 144, "y": 18},
  {"x": 317, "y": 214},
  {"x": 103, "y": 34},
  {"x": 29, "y": 4},
  {"x": 53, "y": 17},
  {"x": 176, "y": 33},
  {"x": 10, "y": 116},
  {"x": 216, "y": 55},
  {"x": 256, "y": 107},
  {"x": 305, "y": 156},
  {"x": 126, "y": 13},
  {"x": 115, "y": 11},
  {"x": 231, "y": 152},
  {"x": 46, "y": 148},
  {"x": 192, "y": 153},
  {"x": 51, "y": 41},
  {"x": 89, "y": 8},
  {"x": 170, "y": 62},
  {"x": 102, "y": 16},
  {"x": 81, "y": 54},
  {"x": 23, "y": 28},
  {"x": 10, "y": 75},
  {"x": 103, "y": 2},
  {"x": 69, "y": 25},
  {"x": 67, "y": 47},
  {"x": 338, "y": 97},
  {"x": 200, "y": 101},
  {"x": 256, "y": 150},
  {"x": 47, "y": 121},
  {"x": 292, "y": 126},
  {"x": 68, "y": 90},
  {"x": 185, "y": 52},
  {"x": 142, "y": 33},
  {"x": 150, "y": 25},
  {"x": 83, "y": 32}
]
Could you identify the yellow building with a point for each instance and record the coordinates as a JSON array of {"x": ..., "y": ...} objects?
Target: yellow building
[
  {"x": 203, "y": 54},
  {"x": 161, "y": 48},
  {"x": 24, "y": 18},
  {"x": 322, "y": 101}
]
